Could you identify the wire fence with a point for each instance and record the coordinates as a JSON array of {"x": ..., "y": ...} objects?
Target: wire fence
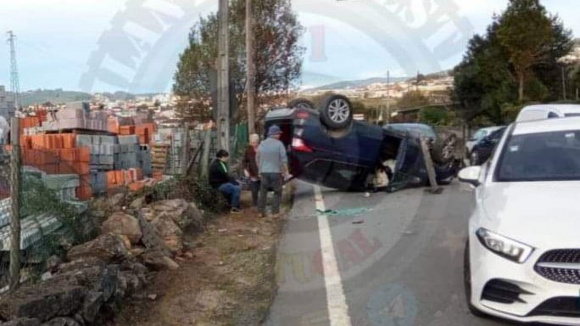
[{"x": 54, "y": 187}]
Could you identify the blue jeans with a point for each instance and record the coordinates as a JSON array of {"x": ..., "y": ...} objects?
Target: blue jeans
[{"x": 233, "y": 192}]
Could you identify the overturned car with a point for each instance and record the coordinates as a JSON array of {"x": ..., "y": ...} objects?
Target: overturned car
[{"x": 329, "y": 148}]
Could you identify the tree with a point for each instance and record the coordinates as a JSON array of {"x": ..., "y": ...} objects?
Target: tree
[
  {"x": 526, "y": 32},
  {"x": 278, "y": 55},
  {"x": 486, "y": 83}
]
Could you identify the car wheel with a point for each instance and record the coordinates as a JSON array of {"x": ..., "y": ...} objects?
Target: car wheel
[
  {"x": 336, "y": 112},
  {"x": 444, "y": 151},
  {"x": 467, "y": 283},
  {"x": 301, "y": 103}
]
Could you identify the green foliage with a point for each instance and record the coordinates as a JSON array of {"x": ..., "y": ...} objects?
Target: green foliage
[
  {"x": 37, "y": 200},
  {"x": 488, "y": 81},
  {"x": 56, "y": 96},
  {"x": 435, "y": 116},
  {"x": 526, "y": 32},
  {"x": 278, "y": 56},
  {"x": 412, "y": 99}
]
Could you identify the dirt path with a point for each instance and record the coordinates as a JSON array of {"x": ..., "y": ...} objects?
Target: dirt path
[{"x": 229, "y": 280}]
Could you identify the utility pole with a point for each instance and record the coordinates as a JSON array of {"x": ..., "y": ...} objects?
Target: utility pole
[
  {"x": 388, "y": 96},
  {"x": 14, "y": 269},
  {"x": 563, "y": 80},
  {"x": 14, "y": 79},
  {"x": 250, "y": 84},
  {"x": 417, "y": 82},
  {"x": 223, "y": 105}
]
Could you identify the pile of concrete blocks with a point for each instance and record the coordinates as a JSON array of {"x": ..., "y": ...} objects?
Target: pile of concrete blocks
[
  {"x": 33, "y": 131},
  {"x": 99, "y": 182},
  {"x": 128, "y": 149},
  {"x": 5, "y": 211},
  {"x": 103, "y": 151},
  {"x": 64, "y": 185},
  {"x": 76, "y": 116},
  {"x": 144, "y": 159}
]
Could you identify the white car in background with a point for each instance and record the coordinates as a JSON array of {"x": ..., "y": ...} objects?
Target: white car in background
[
  {"x": 547, "y": 111},
  {"x": 477, "y": 136},
  {"x": 522, "y": 256}
]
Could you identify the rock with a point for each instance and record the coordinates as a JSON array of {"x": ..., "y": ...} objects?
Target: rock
[
  {"x": 148, "y": 214},
  {"x": 169, "y": 232},
  {"x": 44, "y": 301},
  {"x": 126, "y": 242},
  {"x": 138, "y": 203},
  {"x": 107, "y": 247},
  {"x": 115, "y": 202},
  {"x": 136, "y": 252},
  {"x": 102, "y": 279},
  {"x": 81, "y": 263},
  {"x": 152, "y": 297},
  {"x": 123, "y": 224},
  {"x": 52, "y": 263},
  {"x": 92, "y": 305},
  {"x": 183, "y": 213},
  {"x": 62, "y": 321},
  {"x": 156, "y": 260},
  {"x": 46, "y": 276},
  {"x": 22, "y": 322},
  {"x": 133, "y": 284}
]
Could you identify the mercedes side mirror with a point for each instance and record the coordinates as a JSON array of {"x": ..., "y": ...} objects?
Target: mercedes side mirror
[{"x": 470, "y": 175}]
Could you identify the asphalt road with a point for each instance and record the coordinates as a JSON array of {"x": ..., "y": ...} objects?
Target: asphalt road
[{"x": 399, "y": 255}]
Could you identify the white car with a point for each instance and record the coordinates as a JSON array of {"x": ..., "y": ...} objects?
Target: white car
[
  {"x": 547, "y": 111},
  {"x": 522, "y": 256},
  {"x": 477, "y": 136}
]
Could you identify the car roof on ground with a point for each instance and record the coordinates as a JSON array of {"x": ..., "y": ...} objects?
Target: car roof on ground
[{"x": 547, "y": 125}]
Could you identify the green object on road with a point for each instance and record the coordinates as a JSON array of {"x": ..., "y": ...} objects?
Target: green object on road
[{"x": 344, "y": 211}]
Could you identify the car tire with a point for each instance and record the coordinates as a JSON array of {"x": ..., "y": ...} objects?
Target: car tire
[
  {"x": 467, "y": 283},
  {"x": 443, "y": 151},
  {"x": 301, "y": 103},
  {"x": 336, "y": 112}
]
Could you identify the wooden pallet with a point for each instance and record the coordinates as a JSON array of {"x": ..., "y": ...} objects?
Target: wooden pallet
[{"x": 159, "y": 155}]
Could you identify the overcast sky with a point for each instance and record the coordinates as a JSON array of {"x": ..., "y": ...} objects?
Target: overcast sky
[{"x": 82, "y": 44}]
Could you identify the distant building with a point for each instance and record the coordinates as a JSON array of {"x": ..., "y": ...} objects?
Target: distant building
[{"x": 6, "y": 104}]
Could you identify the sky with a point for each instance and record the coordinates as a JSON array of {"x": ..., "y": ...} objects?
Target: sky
[{"x": 133, "y": 45}]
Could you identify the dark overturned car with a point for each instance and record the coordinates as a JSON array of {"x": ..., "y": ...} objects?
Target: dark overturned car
[{"x": 329, "y": 148}]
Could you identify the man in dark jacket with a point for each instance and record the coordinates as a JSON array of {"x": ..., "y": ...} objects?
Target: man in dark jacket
[{"x": 220, "y": 179}]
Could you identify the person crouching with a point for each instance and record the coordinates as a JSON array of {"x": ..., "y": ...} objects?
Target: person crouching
[{"x": 221, "y": 180}]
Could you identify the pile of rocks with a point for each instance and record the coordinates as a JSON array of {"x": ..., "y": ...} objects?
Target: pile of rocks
[{"x": 97, "y": 276}]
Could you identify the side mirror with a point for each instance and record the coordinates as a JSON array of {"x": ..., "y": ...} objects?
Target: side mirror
[{"x": 470, "y": 175}]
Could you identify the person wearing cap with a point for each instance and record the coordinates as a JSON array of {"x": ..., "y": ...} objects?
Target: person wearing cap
[
  {"x": 221, "y": 180},
  {"x": 273, "y": 166}
]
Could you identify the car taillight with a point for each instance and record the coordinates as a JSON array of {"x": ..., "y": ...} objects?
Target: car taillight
[
  {"x": 302, "y": 115},
  {"x": 299, "y": 145}
]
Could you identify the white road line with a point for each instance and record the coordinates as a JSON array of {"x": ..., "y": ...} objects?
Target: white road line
[{"x": 336, "y": 301}]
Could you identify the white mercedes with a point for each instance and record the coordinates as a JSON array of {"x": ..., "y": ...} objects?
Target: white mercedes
[{"x": 522, "y": 256}]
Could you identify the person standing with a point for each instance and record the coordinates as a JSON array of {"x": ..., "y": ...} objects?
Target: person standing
[
  {"x": 251, "y": 167},
  {"x": 273, "y": 166},
  {"x": 220, "y": 179}
]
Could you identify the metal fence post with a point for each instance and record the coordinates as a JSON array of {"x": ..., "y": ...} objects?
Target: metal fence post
[
  {"x": 185, "y": 158},
  {"x": 15, "y": 170}
]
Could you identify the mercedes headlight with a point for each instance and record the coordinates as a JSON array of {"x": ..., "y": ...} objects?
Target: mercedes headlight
[{"x": 504, "y": 247}]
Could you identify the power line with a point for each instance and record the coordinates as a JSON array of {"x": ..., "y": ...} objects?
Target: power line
[{"x": 14, "y": 79}]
